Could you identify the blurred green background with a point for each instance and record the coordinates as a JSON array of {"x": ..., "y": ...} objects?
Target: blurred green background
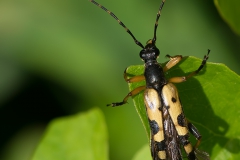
[{"x": 61, "y": 57}]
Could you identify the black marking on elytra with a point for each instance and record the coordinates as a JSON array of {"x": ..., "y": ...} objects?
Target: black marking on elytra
[
  {"x": 184, "y": 139},
  {"x": 154, "y": 126},
  {"x": 161, "y": 146},
  {"x": 174, "y": 100},
  {"x": 167, "y": 107},
  {"x": 160, "y": 108},
  {"x": 191, "y": 155},
  {"x": 181, "y": 120}
]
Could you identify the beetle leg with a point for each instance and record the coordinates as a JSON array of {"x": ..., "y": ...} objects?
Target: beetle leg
[
  {"x": 194, "y": 131},
  {"x": 184, "y": 78},
  {"x": 133, "y": 79},
  {"x": 172, "y": 62},
  {"x": 130, "y": 94}
]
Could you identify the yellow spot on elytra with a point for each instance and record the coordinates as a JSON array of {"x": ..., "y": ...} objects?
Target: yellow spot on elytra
[
  {"x": 162, "y": 154},
  {"x": 188, "y": 148},
  {"x": 153, "y": 103},
  {"x": 175, "y": 109},
  {"x": 159, "y": 136}
]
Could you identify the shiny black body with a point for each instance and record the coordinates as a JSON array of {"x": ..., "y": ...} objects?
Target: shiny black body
[{"x": 153, "y": 73}]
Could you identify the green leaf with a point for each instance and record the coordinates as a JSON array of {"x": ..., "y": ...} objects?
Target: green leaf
[
  {"x": 210, "y": 101},
  {"x": 230, "y": 12},
  {"x": 143, "y": 153},
  {"x": 81, "y": 136}
]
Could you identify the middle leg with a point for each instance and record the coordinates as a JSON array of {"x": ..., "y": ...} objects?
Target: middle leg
[{"x": 133, "y": 79}]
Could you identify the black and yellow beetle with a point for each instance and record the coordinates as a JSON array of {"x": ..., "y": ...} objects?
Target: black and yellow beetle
[{"x": 169, "y": 127}]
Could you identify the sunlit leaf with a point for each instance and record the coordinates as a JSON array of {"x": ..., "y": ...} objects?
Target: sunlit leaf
[
  {"x": 80, "y": 136},
  {"x": 143, "y": 153},
  {"x": 210, "y": 101}
]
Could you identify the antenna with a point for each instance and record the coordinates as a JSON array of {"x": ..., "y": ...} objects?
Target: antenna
[
  {"x": 120, "y": 22},
  {"x": 156, "y": 23}
]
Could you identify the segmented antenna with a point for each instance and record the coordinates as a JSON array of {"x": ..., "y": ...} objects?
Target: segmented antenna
[
  {"x": 156, "y": 23},
  {"x": 120, "y": 22}
]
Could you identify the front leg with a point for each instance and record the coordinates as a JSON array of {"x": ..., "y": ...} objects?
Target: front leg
[
  {"x": 133, "y": 79},
  {"x": 172, "y": 62},
  {"x": 184, "y": 78}
]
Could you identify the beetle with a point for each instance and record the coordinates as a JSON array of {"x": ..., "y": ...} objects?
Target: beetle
[{"x": 169, "y": 126}]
